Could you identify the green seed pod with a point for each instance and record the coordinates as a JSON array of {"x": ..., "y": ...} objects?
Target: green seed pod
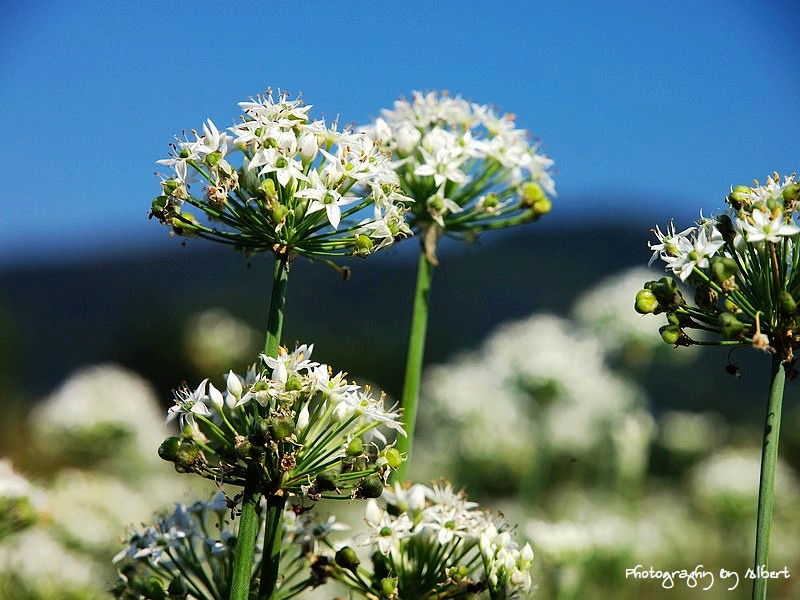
[
  {"x": 790, "y": 194},
  {"x": 178, "y": 590},
  {"x": 541, "y": 207},
  {"x": 532, "y": 193},
  {"x": 673, "y": 319},
  {"x": 327, "y": 481},
  {"x": 787, "y": 302},
  {"x": 731, "y": 327},
  {"x": 347, "y": 558},
  {"x": 389, "y": 586},
  {"x": 293, "y": 383},
  {"x": 706, "y": 298},
  {"x": 723, "y": 268},
  {"x": 667, "y": 292},
  {"x": 370, "y": 487},
  {"x": 726, "y": 228},
  {"x": 281, "y": 428},
  {"x": 279, "y": 213},
  {"x": 355, "y": 447},
  {"x": 671, "y": 334},
  {"x": 154, "y": 589},
  {"x": 267, "y": 189},
  {"x": 213, "y": 158},
  {"x": 300, "y": 209},
  {"x": 739, "y": 196},
  {"x": 364, "y": 245},
  {"x": 393, "y": 457},
  {"x": 491, "y": 200},
  {"x": 168, "y": 450},
  {"x": 189, "y": 454},
  {"x": 260, "y": 433},
  {"x": 646, "y": 302}
]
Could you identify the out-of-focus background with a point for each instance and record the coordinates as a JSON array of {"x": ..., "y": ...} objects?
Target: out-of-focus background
[{"x": 546, "y": 395}]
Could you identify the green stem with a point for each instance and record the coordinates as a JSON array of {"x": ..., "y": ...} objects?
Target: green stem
[
  {"x": 766, "y": 488},
  {"x": 277, "y": 306},
  {"x": 249, "y": 519},
  {"x": 416, "y": 352},
  {"x": 246, "y": 536},
  {"x": 273, "y": 537}
]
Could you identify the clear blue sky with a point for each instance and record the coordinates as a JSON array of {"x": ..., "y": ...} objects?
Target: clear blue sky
[{"x": 662, "y": 105}]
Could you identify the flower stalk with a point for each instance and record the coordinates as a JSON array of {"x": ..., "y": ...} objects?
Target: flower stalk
[
  {"x": 414, "y": 360},
  {"x": 766, "y": 487}
]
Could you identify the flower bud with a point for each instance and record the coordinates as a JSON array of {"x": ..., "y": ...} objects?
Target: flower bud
[
  {"x": 307, "y": 147},
  {"x": 671, "y": 334},
  {"x": 234, "y": 385},
  {"x": 788, "y": 304},
  {"x": 303, "y": 418},
  {"x": 723, "y": 268},
  {"x": 731, "y": 327},
  {"x": 370, "y": 487},
  {"x": 347, "y": 558},
  {"x": 646, "y": 302}
]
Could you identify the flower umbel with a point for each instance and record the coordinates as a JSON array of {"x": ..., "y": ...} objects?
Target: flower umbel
[{"x": 280, "y": 182}]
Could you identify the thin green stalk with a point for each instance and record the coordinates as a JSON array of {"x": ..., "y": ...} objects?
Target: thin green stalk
[
  {"x": 766, "y": 488},
  {"x": 273, "y": 536},
  {"x": 249, "y": 519},
  {"x": 416, "y": 352},
  {"x": 277, "y": 306}
]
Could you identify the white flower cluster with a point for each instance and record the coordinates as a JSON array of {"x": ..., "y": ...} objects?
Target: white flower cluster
[
  {"x": 312, "y": 420},
  {"x": 466, "y": 166},
  {"x": 421, "y": 523},
  {"x": 279, "y": 179},
  {"x": 760, "y": 214}
]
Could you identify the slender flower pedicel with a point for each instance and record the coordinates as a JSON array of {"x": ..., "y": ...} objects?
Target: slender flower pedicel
[
  {"x": 468, "y": 169},
  {"x": 745, "y": 270}
]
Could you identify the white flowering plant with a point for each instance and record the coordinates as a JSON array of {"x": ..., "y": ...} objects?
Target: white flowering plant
[
  {"x": 432, "y": 542},
  {"x": 744, "y": 269},
  {"x": 280, "y": 182},
  {"x": 468, "y": 169}
]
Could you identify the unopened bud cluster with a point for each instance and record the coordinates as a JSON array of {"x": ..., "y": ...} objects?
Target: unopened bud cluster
[
  {"x": 306, "y": 431},
  {"x": 743, "y": 269},
  {"x": 467, "y": 168},
  {"x": 284, "y": 184}
]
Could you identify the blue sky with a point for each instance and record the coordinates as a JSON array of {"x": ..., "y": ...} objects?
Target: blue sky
[{"x": 654, "y": 107}]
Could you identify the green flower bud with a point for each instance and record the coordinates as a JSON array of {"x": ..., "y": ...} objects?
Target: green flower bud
[
  {"x": 788, "y": 304},
  {"x": 740, "y": 196},
  {"x": 279, "y": 213},
  {"x": 671, "y": 334},
  {"x": 370, "y": 487},
  {"x": 355, "y": 447},
  {"x": 389, "y": 586},
  {"x": 282, "y": 428},
  {"x": 723, "y": 268},
  {"x": 393, "y": 457},
  {"x": 326, "y": 481},
  {"x": 646, "y": 302},
  {"x": 731, "y": 327},
  {"x": 347, "y": 558},
  {"x": 178, "y": 590},
  {"x": 364, "y": 245},
  {"x": 168, "y": 450}
]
